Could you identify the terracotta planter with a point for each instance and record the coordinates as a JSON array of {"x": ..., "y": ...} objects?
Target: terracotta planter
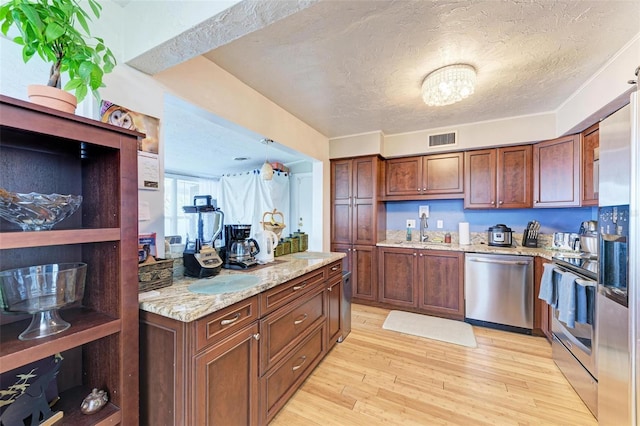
[{"x": 52, "y": 97}]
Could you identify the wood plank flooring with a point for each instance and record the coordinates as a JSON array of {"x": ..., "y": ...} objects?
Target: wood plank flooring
[{"x": 378, "y": 377}]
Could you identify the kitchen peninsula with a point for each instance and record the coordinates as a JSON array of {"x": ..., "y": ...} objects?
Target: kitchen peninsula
[{"x": 236, "y": 358}]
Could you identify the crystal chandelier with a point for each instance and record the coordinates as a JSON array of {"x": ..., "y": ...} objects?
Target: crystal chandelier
[{"x": 448, "y": 85}]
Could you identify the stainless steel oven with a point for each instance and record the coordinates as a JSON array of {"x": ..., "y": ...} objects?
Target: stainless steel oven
[{"x": 574, "y": 343}]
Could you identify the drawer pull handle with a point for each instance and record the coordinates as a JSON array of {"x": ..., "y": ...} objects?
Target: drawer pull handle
[
  {"x": 300, "y": 321},
  {"x": 335, "y": 268},
  {"x": 299, "y": 287},
  {"x": 297, "y": 367},
  {"x": 230, "y": 321}
]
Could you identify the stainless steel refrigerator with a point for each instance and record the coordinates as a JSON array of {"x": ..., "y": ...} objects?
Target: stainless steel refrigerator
[{"x": 617, "y": 276}]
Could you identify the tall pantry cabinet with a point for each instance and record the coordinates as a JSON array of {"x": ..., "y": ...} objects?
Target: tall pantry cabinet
[
  {"x": 47, "y": 151},
  {"x": 358, "y": 219}
]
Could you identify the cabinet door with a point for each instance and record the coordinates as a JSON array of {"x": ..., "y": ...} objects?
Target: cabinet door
[
  {"x": 556, "y": 172},
  {"x": 334, "y": 299},
  {"x": 365, "y": 178},
  {"x": 480, "y": 179},
  {"x": 397, "y": 275},
  {"x": 590, "y": 142},
  {"x": 440, "y": 274},
  {"x": 346, "y": 261},
  {"x": 226, "y": 381},
  {"x": 513, "y": 177},
  {"x": 341, "y": 191},
  {"x": 442, "y": 174},
  {"x": 363, "y": 274},
  {"x": 403, "y": 176}
]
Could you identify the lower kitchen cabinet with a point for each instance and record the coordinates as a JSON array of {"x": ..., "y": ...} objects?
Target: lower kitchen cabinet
[
  {"x": 542, "y": 312},
  {"x": 441, "y": 278},
  {"x": 398, "y": 277},
  {"x": 427, "y": 281},
  {"x": 226, "y": 381},
  {"x": 334, "y": 309},
  {"x": 361, "y": 261}
]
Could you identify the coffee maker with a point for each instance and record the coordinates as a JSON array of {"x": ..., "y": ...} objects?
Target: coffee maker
[
  {"x": 239, "y": 250},
  {"x": 201, "y": 259}
]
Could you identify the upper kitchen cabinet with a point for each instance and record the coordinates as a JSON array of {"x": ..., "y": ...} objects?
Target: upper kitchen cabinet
[
  {"x": 48, "y": 151},
  {"x": 556, "y": 172},
  {"x": 438, "y": 176},
  {"x": 498, "y": 178},
  {"x": 357, "y": 214},
  {"x": 590, "y": 144}
]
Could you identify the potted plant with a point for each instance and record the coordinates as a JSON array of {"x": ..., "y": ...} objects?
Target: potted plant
[{"x": 58, "y": 31}]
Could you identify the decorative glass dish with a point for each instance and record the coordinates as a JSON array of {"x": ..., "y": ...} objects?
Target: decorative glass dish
[
  {"x": 37, "y": 212},
  {"x": 41, "y": 290}
]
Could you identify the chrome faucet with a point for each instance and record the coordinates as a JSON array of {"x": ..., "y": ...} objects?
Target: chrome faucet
[{"x": 423, "y": 228}]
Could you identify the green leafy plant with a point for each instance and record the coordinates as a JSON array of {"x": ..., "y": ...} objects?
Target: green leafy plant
[{"x": 58, "y": 31}]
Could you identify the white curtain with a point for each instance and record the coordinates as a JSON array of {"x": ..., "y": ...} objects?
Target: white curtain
[{"x": 244, "y": 198}]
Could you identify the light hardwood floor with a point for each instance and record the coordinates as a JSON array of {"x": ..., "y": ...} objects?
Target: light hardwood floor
[{"x": 378, "y": 376}]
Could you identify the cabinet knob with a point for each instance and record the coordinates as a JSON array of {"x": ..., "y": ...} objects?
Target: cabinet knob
[
  {"x": 256, "y": 336},
  {"x": 424, "y": 189},
  {"x": 500, "y": 202},
  {"x": 415, "y": 254},
  {"x": 421, "y": 255},
  {"x": 492, "y": 203},
  {"x": 418, "y": 189}
]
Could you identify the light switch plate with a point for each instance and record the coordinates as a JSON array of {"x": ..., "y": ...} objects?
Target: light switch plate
[
  {"x": 439, "y": 224},
  {"x": 411, "y": 223},
  {"x": 423, "y": 209}
]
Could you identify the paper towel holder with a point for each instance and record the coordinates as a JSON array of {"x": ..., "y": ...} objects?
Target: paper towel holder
[{"x": 463, "y": 233}]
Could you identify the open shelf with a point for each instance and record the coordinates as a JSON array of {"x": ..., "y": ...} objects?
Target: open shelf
[
  {"x": 69, "y": 404},
  {"x": 21, "y": 239},
  {"x": 86, "y": 326}
]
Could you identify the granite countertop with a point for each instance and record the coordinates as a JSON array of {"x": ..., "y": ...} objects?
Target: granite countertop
[
  {"x": 177, "y": 302},
  {"x": 546, "y": 253}
]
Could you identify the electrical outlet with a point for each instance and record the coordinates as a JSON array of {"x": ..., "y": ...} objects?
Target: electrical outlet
[
  {"x": 423, "y": 209},
  {"x": 411, "y": 223},
  {"x": 439, "y": 224}
]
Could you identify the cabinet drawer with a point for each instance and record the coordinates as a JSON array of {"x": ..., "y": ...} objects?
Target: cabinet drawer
[
  {"x": 283, "y": 380},
  {"x": 278, "y": 296},
  {"x": 283, "y": 329},
  {"x": 334, "y": 269},
  {"x": 223, "y": 323}
]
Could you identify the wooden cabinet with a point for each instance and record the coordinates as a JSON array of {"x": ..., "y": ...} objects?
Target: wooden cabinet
[
  {"x": 357, "y": 214},
  {"x": 556, "y": 172},
  {"x": 361, "y": 261},
  {"x": 498, "y": 178},
  {"x": 397, "y": 275},
  {"x": 48, "y": 151},
  {"x": 427, "y": 281},
  {"x": 542, "y": 312},
  {"x": 590, "y": 142},
  {"x": 205, "y": 372},
  {"x": 334, "y": 304},
  {"x": 436, "y": 176},
  {"x": 441, "y": 283}
]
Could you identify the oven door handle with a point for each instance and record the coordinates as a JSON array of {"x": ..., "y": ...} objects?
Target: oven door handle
[{"x": 586, "y": 283}]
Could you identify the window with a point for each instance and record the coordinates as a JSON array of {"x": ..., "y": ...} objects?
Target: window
[{"x": 179, "y": 191}]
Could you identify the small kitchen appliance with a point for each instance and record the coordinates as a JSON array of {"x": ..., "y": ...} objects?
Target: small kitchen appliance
[
  {"x": 267, "y": 241},
  {"x": 201, "y": 259},
  {"x": 499, "y": 236},
  {"x": 239, "y": 250}
]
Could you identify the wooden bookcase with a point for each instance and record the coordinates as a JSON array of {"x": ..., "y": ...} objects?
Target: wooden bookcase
[{"x": 47, "y": 151}]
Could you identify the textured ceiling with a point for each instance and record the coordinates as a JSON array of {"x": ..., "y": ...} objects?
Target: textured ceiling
[{"x": 347, "y": 67}]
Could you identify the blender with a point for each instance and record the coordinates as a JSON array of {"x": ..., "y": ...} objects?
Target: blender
[
  {"x": 239, "y": 250},
  {"x": 201, "y": 259}
]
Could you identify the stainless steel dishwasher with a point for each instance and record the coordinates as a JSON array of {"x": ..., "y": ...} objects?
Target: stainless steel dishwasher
[{"x": 498, "y": 291}]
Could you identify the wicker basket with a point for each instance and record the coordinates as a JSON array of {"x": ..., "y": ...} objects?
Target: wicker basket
[
  {"x": 272, "y": 224},
  {"x": 152, "y": 276}
]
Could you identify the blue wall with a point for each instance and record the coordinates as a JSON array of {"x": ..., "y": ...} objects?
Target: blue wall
[{"x": 451, "y": 212}]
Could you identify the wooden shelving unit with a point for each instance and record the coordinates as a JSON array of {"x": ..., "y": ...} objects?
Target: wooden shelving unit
[{"x": 48, "y": 151}]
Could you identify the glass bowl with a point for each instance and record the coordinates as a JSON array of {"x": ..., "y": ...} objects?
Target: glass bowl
[
  {"x": 37, "y": 212},
  {"x": 41, "y": 290}
]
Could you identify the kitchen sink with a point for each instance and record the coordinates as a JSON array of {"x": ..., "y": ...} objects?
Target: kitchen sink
[{"x": 224, "y": 284}]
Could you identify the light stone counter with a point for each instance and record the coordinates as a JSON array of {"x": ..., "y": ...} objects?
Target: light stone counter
[
  {"x": 177, "y": 302},
  {"x": 546, "y": 253}
]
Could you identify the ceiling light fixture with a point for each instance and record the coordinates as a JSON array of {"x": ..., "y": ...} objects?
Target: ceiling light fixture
[
  {"x": 266, "y": 171},
  {"x": 448, "y": 85}
]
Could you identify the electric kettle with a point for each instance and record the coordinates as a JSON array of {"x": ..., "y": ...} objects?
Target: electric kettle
[{"x": 267, "y": 241}]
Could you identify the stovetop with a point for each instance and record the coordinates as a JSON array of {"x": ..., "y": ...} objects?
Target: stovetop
[{"x": 581, "y": 263}]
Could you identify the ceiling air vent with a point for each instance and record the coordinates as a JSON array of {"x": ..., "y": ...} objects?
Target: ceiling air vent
[{"x": 443, "y": 139}]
